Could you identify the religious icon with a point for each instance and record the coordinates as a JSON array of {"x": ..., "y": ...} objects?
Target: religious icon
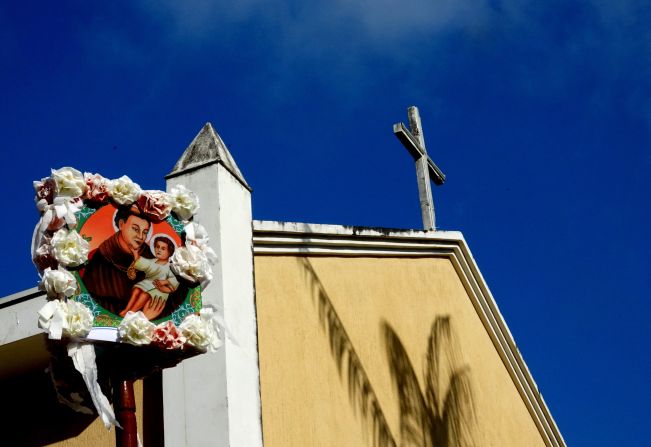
[
  {"x": 123, "y": 264},
  {"x": 128, "y": 267},
  {"x": 119, "y": 264}
]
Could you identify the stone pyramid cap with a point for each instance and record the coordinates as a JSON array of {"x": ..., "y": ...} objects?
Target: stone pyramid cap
[{"x": 207, "y": 148}]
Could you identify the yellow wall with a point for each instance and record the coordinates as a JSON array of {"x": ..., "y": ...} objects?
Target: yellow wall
[{"x": 329, "y": 366}]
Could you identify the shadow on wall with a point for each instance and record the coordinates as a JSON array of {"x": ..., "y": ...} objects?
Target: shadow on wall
[
  {"x": 32, "y": 415},
  {"x": 442, "y": 416},
  {"x": 360, "y": 391}
]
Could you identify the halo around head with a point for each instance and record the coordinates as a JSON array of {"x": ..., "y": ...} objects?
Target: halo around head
[{"x": 153, "y": 237}]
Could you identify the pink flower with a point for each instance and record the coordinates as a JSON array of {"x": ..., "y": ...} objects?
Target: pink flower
[
  {"x": 97, "y": 188},
  {"x": 156, "y": 205},
  {"x": 43, "y": 256},
  {"x": 45, "y": 189},
  {"x": 167, "y": 336},
  {"x": 44, "y": 260}
]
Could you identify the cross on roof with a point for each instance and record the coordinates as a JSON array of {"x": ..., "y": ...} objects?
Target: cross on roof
[{"x": 426, "y": 170}]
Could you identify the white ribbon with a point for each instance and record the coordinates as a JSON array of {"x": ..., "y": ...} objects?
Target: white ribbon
[
  {"x": 196, "y": 234},
  {"x": 75, "y": 403},
  {"x": 53, "y": 318},
  {"x": 218, "y": 316},
  {"x": 83, "y": 357},
  {"x": 39, "y": 246}
]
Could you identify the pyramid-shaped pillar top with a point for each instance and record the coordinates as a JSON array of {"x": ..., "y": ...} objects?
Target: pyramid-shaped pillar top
[{"x": 207, "y": 148}]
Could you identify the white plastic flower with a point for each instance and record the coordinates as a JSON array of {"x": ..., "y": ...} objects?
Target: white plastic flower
[
  {"x": 69, "y": 181},
  {"x": 69, "y": 248},
  {"x": 58, "y": 283},
  {"x": 60, "y": 212},
  {"x": 136, "y": 329},
  {"x": 79, "y": 319},
  {"x": 185, "y": 203},
  {"x": 202, "y": 331},
  {"x": 61, "y": 318},
  {"x": 124, "y": 191},
  {"x": 196, "y": 234},
  {"x": 191, "y": 263}
]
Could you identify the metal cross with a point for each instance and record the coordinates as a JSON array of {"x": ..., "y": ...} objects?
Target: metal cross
[{"x": 426, "y": 170}]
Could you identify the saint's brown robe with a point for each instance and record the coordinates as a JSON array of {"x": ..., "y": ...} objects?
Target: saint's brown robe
[{"x": 105, "y": 277}]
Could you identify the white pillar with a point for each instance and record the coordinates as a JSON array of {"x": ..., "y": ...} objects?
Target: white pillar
[{"x": 214, "y": 399}]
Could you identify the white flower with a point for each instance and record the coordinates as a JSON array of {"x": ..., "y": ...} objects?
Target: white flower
[
  {"x": 79, "y": 321},
  {"x": 69, "y": 181},
  {"x": 70, "y": 318},
  {"x": 196, "y": 234},
  {"x": 58, "y": 283},
  {"x": 61, "y": 212},
  {"x": 124, "y": 191},
  {"x": 69, "y": 248},
  {"x": 136, "y": 329},
  {"x": 185, "y": 203},
  {"x": 202, "y": 331},
  {"x": 191, "y": 263}
]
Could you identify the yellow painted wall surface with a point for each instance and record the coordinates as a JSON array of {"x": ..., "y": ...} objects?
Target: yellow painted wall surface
[{"x": 337, "y": 335}]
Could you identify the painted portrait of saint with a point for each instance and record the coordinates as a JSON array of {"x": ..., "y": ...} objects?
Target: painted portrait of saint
[{"x": 128, "y": 266}]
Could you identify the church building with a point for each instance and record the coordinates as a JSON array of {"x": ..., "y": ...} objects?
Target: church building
[{"x": 337, "y": 336}]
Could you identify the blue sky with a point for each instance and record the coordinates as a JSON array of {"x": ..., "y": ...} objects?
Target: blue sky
[{"x": 539, "y": 113}]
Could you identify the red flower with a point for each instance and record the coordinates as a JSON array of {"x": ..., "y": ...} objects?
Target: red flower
[
  {"x": 97, "y": 188},
  {"x": 43, "y": 257},
  {"x": 156, "y": 205},
  {"x": 167, "y": 336},
  {"x": 45, "y": 189}
]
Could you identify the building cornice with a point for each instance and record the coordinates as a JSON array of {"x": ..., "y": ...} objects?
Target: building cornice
[{"x": 18, "y": 315}]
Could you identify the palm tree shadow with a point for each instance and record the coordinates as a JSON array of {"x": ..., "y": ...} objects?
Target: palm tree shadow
[
  {"x": 360, "y": 391},
  {"x": 443, "y": 416}
]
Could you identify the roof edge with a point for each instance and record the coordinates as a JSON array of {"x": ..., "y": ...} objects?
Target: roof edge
[
  {"x": 275, "y": 226},
  {"x": 21, "y": 296}
]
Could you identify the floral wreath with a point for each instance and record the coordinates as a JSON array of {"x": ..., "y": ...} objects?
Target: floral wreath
[{"x": 58, "y": 251}]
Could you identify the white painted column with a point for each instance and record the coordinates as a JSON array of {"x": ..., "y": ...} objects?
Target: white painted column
[{"x": 214, "y": 399}]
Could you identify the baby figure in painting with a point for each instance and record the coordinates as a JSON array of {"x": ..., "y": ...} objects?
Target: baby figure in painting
[{"x": 159, "y": 280}]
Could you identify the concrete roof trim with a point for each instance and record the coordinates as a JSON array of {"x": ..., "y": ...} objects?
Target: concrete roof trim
[
  {"x": 287, "y": 238},
  {"x": 18, "y": 315},
  {"x": 351, "y": 230},
  {"x": 21, "y": 296}
]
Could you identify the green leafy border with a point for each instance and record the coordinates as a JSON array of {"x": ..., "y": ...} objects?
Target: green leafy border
[{"x": 84, "y": 214}]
